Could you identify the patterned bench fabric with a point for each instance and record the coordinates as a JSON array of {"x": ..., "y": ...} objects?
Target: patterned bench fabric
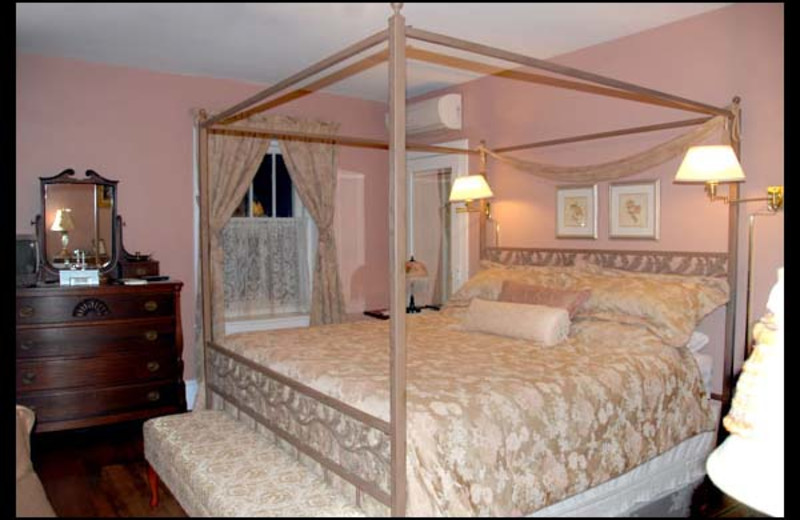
[{"x": 217, "y": 466}]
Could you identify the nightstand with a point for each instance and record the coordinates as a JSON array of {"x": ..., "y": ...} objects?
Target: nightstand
[{"x": 383, "y": 314}]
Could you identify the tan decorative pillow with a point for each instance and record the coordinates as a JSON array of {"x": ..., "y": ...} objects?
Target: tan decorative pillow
[
  {"x": 517, "y": 292},
  {"x": 546, "y": 325},
  {"x": 670, "y": 306},
  {"x": 488, "y": 283}
]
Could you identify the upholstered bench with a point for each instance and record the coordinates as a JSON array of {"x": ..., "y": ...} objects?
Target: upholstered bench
[{"x": 218, "y": 466}]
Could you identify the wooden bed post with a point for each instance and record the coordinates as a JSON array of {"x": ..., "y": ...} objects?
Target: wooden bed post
[
  {"x": 205, "y": 252},
  {"x": 397, "y": 255},
  {"x": 728, "y": 374}
]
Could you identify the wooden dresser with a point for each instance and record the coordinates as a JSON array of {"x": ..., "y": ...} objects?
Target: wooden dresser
[{"x": 97, "y": 355}]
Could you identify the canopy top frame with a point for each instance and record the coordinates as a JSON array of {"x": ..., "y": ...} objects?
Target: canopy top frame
[{"x": 589, "y": 82}]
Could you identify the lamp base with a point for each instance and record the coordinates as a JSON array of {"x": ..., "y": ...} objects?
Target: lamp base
[{"x": 412, "y": 307}]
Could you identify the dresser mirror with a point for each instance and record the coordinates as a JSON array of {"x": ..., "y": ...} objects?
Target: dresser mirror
[{"x": 77, "y": 225}]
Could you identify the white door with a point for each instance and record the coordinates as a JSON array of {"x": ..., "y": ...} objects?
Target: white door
[
  {"x": 349, "y": 226},
  {"x": 437, "y": 236}
]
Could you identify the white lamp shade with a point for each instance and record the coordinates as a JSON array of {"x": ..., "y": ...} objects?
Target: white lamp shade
[
  {"x": 470, "y": 187},
  {"x": 716, "y": 163},
  {"x": 63, "y": 221}
]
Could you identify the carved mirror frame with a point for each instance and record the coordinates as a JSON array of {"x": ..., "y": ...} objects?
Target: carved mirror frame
[{"x": 46, "y": 270}]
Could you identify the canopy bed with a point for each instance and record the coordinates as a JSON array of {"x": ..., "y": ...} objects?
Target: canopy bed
[{"x": 376, "y": 415}]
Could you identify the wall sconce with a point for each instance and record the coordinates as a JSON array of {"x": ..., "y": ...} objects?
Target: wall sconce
[
  {"x": 64, "y": 224},
  {"x": 472, "y": 187},
  {"x": 469, "y": 188},
  {"x": 717, "y": 163}
]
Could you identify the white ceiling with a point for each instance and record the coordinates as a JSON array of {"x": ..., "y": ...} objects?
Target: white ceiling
[{"x": 266, "y": 42}]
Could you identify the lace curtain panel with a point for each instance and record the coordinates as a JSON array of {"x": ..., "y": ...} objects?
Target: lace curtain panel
[{"x": 265, "y": 271}]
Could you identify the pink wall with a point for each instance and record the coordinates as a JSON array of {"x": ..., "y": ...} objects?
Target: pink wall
[
  {"x": 713, "y": 57},
  {"x": 135, "y": 126}
]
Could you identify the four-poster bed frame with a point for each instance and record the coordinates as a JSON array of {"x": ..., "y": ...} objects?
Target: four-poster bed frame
[{"x": 397, "y": 54}]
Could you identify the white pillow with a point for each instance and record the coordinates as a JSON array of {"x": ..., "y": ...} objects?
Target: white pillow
[
  {"x": 540, "y": 323},
  {"x": 697, "y": 341}
]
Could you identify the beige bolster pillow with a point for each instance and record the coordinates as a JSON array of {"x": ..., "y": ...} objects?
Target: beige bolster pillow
[{"x": 547, "y": 325}]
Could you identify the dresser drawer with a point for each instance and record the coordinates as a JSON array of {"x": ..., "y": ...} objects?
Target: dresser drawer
[
  {"x": 86, "y": 404},
  {"x": 52, "y": 373},
  {"x": 137, "y": 269},
  {"x": 146, "y": 336},
  {"x": 77, "y": 308}
]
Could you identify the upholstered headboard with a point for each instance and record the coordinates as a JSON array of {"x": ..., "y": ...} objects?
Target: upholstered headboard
[{"x": 664, "y": 262}]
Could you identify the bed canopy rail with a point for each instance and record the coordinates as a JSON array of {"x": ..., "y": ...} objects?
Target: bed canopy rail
[
  {"x": 358, "y": 142},
  {"x": 361, "y": 65},
  {"x": 306, "y": 73},
  {"x": 397, "y": 55},
  {"x": 517, "y": 74},
  {"x": 492, "y": 52},
  {"x": 605, "y": 135}
]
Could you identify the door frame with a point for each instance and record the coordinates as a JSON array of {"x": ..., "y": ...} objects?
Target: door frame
[{"x": 459, "y": 227}]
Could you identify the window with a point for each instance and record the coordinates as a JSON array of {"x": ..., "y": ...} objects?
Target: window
[
  {"x": 271, "y": 193},
  {"x": 268, "y": 246}
]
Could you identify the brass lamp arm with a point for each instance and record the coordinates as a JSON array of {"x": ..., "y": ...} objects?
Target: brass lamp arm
[{"x": 774, "y": 196}]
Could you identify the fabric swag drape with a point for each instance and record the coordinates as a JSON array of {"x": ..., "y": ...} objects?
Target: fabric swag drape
[{"x": 630, "y": 165}]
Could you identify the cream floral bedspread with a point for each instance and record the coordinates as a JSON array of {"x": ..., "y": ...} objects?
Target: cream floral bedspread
[{"x": 500, "y": 426}]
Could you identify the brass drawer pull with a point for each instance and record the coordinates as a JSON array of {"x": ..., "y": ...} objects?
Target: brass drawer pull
[
  {"x": 28, "y": 378},
  {"x": 26, "y": 311},
  {"x": 141, "y": 271},
  {"x": 152, "y": 366},
  {"x": 150, "y": 305},
  {"x": 151, "y": 335},
  {"x": 26, "y": 345},
  {"x": 153, "y": 396}
]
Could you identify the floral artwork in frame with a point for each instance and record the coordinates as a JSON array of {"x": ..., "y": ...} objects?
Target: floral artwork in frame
[
  {"x": 634, "y": 209},
  {"x": 576, "y": 211}
]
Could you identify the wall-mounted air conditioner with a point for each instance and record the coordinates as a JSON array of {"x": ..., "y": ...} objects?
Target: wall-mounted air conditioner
[{"x": 430, "y": 115}]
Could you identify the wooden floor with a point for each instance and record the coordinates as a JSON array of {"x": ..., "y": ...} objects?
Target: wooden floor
[
  {"x": 101, "y": 472},
  {"x": 98, "y": 472}
]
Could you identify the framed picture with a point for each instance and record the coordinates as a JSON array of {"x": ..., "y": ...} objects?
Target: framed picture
[
  {"x": 104, "y": 195},
  {"x": 634, "y": 209},
  {"x": 576, "y": 211}
]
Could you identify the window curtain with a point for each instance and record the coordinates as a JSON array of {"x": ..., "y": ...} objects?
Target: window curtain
[
  {"x": 232, "y": 163},
  {"x": 441, "y": 279},
  {"x": 312, "y": 167},
  {"x": 265, "y": 266}
]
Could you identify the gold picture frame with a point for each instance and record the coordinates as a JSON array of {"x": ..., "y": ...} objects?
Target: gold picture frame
[
  {"x": 634, "y": 209},
  {"x": 576, "y": 211}
]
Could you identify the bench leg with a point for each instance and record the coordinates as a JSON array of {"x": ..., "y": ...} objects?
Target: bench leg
[{"x": 152, "y": 479}]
